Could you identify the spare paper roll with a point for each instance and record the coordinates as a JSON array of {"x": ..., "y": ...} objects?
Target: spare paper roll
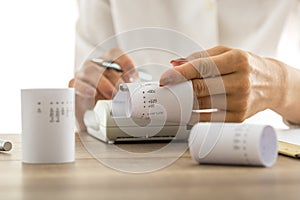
[
  {"x": 233, "y": 143},
  {"x": 150, "y": 101}
]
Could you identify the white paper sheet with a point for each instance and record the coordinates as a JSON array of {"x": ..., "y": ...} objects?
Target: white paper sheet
[{"x": 291, "y": 136}]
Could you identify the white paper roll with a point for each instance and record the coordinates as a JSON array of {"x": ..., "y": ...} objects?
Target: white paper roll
[
  {"x": 150, "y": 101},
  {"x": 48, "y": 125},
  {"x": 233, "y": 143}
]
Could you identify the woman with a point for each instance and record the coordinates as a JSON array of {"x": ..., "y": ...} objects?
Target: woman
[{"x": 250, "y": 31}]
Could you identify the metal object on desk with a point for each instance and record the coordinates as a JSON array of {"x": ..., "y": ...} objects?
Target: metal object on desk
[{"x": 5, "y": 145}]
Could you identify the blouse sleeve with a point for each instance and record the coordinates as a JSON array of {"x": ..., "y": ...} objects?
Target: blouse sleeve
[{"x": 94, "y": 25}]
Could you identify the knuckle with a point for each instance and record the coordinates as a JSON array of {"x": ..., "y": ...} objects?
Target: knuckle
[
  {"x": 242, "y": 105},
  {"x": 202, "y": 104},
  {"x": 223, "y": 48},
  {"x": 88, "y": 68},
  {"x": 244, "y": 85},
  {"x": 204, "y": 68},
  {"x": 239, "y": 117},
  {"x": 199, "y": 87},
  {"x": 241, "y": 58}
]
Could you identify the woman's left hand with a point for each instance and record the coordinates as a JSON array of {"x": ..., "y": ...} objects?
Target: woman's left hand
[{"x": 237, "y": 83}]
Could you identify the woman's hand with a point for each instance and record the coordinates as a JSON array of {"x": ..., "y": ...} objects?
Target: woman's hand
[
  {"x": 237, "y": 83},
  {"x": 94, "y": 82}
]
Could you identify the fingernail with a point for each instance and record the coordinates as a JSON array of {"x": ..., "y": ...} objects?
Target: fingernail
[{"x": 178, "y": 61}]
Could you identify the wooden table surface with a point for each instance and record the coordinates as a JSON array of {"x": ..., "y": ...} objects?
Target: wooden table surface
[{"x": 87, "y": 178}]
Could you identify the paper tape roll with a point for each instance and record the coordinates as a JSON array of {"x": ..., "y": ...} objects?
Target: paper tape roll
[
  {"x": 233, "y": 143},
  {"x": 150, "y": 101},
  {"x": 48, "y": 125}
]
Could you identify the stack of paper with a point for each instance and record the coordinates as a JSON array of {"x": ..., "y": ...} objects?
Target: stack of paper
[{"x": 289, "y": 142}]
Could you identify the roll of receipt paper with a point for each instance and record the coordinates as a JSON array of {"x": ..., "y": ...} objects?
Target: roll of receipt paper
[
  {"x": 233, "y": 144},
  {"x": 150, "y": 101}
]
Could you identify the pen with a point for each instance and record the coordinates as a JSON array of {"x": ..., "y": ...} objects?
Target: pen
[
  {"x": 107, "y": 64},
  {"x": 112, "y": 65},
  {"x": 5, "y": 145}
]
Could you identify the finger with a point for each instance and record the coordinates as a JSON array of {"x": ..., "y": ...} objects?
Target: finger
[
  {"x": 227, "y": 84},
  {"x": 201, "y": 68},
  {"x": 99, "y": 96},
  {"x": 82, "y": 105},
  {"x": 90, "y": 73},
  {"x": 106, "y": 88},
  {"x": 114, "y": 77},
  {"x": 118, "y": 56},
  {"x": 232, "y": 103},
  {"x": 219, "y": 101},
  {"x": 84, "y": 89},
  {"x": 71, "y": 83},
  {"x": 208, "y": 67},
  {"x": 209, "y": 52},
  {"x": 237, "y": 85},
  {"x": 178, "y": 61},
  {"x": 211, "y": 86},
  {"x": 220, "y": 116},
  {"x": 201, "y": 54},
  {"x": 93, "y": 75}
]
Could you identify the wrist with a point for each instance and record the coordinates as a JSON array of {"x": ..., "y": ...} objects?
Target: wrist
[
  {"x": 287, "y": 105},
  {"x": 280, "y": 76}
]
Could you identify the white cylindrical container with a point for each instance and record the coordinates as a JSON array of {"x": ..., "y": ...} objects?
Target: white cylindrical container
[
  {"x": 233, "y": 143},
  {"x": 48, "y": 125}
]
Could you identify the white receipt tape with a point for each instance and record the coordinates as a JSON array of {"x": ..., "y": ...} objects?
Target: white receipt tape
[
  {"x": 148, "y": 100},
  {"x": 233, "y": 144}
]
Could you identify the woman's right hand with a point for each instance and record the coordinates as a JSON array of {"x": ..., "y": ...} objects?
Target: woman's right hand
[{"x": 93, "y": 82}]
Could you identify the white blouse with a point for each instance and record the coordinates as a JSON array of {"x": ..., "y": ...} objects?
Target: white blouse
[{"x": 254, "y": 26}]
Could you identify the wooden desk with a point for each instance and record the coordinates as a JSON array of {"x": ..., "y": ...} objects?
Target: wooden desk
[{"x": 88, "y": 179}]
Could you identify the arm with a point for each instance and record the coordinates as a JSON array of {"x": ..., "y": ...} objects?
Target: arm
[{"x": 290, "y": 107}]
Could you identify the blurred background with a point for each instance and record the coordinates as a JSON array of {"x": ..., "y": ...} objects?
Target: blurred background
[
  {"x": 37, "y": 40},
  {"x": 37, "y": 45}
]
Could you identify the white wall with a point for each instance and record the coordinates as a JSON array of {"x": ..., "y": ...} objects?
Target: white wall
[{"x": 36, "y": 50}]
